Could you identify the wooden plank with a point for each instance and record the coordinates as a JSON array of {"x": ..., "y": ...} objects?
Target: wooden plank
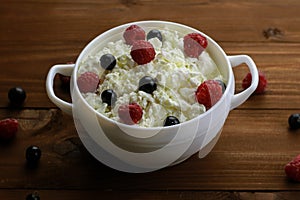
[
  {"x": 245, "y": 158},
  {"x": 225, "y": 20},
  {"x": 147, "y": 195}
]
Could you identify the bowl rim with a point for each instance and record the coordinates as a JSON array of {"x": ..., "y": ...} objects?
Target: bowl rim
[{"x": 143, "y": 22}]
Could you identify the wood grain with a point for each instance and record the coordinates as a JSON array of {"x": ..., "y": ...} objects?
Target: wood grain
[
  {"x": 148, "y": 195},
  {"x": 241, "y": 160},
  {"x": 255, "y": 145}
]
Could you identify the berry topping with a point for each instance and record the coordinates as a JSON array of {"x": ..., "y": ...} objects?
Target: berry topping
[
  {"x": 171, "y": 120},
  {"x": 8, "y": 128},
  {"x": 209, "y": 93},
  {"x": 194, "y": 44},
  {"x": 108, "y": 61},
  {"x": 262, "y": 83},
  {"x": 33, "y": 196},
  {"x": 130, "y": 113},
  {"x": 142, "y": 52},
  {"x": 16, "y": 96},
  {"x": 294, "y": 121},
  {"x": 33, "y": 154},
  {"x": 292, "y": 169},
  {"x": 154, "y": 34},
  {"x": 88, "y": 82},
  {"x": 109, "y": 97},
  {"x": 147, "y": 84},
  {"x": 223, "y": 85},
  {"x": 134, "y": 33}
]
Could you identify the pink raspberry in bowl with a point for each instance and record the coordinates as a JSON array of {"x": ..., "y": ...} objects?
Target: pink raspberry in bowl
[
  {"x": 209, "y": 93},
  {"x": 194, "y": 44},
  {"x": 142, "y": 52},
  {"x": 88, "y": 82},
  {"x": 133, "y": 33},
  {"x": 130, "y": 113}
]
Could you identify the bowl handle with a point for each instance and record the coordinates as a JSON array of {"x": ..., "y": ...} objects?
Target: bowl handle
[
  {"x": 241, "y": 97},
  {"x": 64, "y": 69}
]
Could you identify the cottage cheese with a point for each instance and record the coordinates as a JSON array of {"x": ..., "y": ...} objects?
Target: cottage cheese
[{"x": 178, "y": 77}]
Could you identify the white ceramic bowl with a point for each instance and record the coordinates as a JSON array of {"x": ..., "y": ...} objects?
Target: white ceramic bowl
[{"x": 138, "y": 149}]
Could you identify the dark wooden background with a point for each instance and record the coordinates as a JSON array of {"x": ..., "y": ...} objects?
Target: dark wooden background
[{"x": 255, "y": 145}]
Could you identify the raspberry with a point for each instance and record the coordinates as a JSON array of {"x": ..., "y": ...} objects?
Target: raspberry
[
  {"x": 88, "y": 82},
  {"x": 130, "y": 113},
  {"x": 142, "y": 52},
  {"x": 134, "y": 33},
  {"x": 292, "y": 169},
  {"x": 262, "y": 83},
  {"x": 194, "y": 44},
  {"x": 8, "y": 128},
  {"x": 209, "y": 93},
  {"x": 64, "y": 80}
]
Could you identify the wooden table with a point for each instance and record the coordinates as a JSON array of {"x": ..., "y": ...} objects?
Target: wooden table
[{"x": 255, "y": 145}]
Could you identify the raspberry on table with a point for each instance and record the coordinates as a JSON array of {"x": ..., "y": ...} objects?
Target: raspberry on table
[
  {"x": 134, "y": 33},
  {"x": 88, "y": 82},
  {"x": 8, "y": 128},
  {"x": 130, "y": 113},
  {"x": 194, "y": 44},
  {"x": 262, "y": 83},
  {"x": 209, "y": 93},
  {"x": 64, "y": 80},
  {"x": 142, "y": 52},
  {"x": 292, "y": 169}
]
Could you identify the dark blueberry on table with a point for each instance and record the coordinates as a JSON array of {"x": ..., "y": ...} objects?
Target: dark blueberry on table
[
  {"x": 223, "y": 85},
  {"x": 147, "y": 84},
  {"x": 33, "y": 196},
  {"x": 294, "y": 121},
  {"x": 171, "y": 120},
  {"x": 16, "y": 96},
  {"x": 154, "y": 34},
  {"x": 108, "y": 61},
  {"x": 33, "y": 155},
  {"x": 109, "y": 96}
]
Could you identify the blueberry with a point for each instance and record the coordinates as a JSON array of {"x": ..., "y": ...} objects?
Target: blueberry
[
  {"x": 171, "y": 120},
  {"x": 294, "y": 121},
  {"x": 16, "y": 96},
  {"x": 108, "y": 61},
  {"x": 223, "y": 85},
  {"x": 109, "y": 96},
  {"x": 33, "y": 154},
  {"x": 154, "y": 34},
  {"x": 33, "y": 197},
  {"x": 147, "y": 84}
]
